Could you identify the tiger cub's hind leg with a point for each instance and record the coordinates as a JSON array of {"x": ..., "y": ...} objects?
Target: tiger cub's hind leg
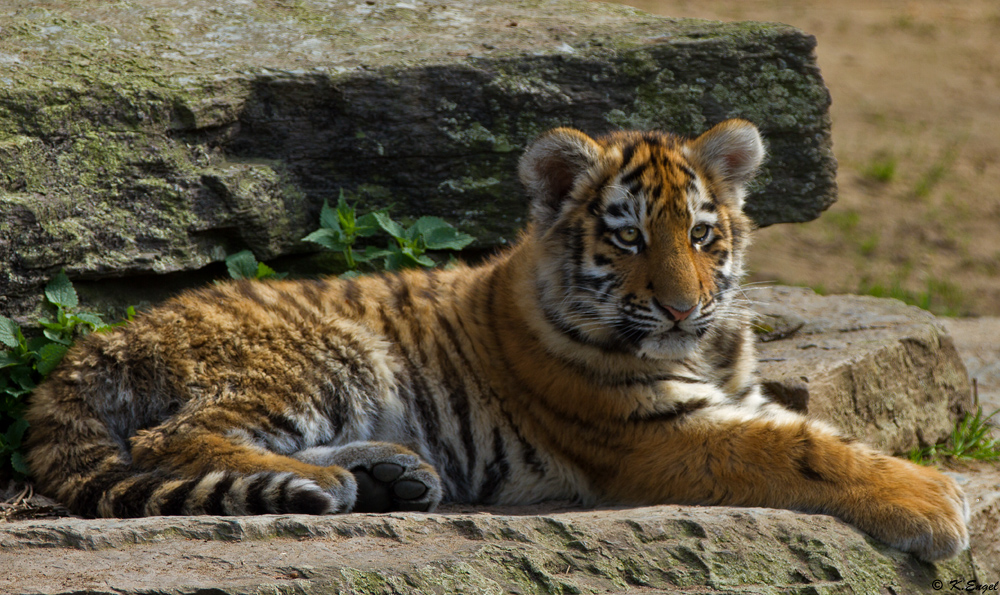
[{"x": 389, "y": 476}]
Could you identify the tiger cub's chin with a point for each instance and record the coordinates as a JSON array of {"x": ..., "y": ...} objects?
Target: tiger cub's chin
[{"x": 668, "y": 346}]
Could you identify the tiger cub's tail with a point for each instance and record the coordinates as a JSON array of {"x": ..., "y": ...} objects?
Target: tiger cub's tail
[{"x": 76, "y": 456}]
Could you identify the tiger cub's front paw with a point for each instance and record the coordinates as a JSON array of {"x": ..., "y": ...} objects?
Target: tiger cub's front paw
[
  {"x": 389, "y": 476},
  {"x": 915, "y": 509}
]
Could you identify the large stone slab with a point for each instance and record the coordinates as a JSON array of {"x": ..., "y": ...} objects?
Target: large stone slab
[
  {"x": 154, "y": 137},
  {"x": 883, "y": 372},
  {"x": 645, "y": 550}
]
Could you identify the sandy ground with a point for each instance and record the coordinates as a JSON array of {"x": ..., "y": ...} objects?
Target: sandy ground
[{"x": 916, "y": 128}]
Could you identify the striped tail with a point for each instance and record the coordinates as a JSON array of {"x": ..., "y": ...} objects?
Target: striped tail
[
  {"x": 123, "y": 492},
  {"x": 75, "y": 457}
]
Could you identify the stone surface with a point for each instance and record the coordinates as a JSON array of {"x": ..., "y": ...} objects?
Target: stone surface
[
  {"x": 881, "y": 371},
  {"x": 978, "y": 340},
  {"x": 981, "y": 483},
  {"x": 658, "y": 549},
  {"x": 155, "y": 137}
]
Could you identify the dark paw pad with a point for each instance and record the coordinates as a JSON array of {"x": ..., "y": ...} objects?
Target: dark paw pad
[
  {"x": 384, "y": 488},
  {"x": 387, "y": 472}
]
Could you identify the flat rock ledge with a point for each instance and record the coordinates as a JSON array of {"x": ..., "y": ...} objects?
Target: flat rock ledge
[
  {"x": 643, "y": 550},
  {"x": 879, "y": 369}
]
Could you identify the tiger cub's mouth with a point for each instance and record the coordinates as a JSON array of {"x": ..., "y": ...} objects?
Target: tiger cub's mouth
[{"x": 663, "y": 335}]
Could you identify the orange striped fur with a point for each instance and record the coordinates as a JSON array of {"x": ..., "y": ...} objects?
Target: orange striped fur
[{"x": 607, "y": 357}]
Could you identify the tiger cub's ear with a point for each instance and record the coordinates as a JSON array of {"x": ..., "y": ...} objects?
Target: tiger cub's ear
[
  {"x": 551, "y": 166},
  {"x": 731, "y": 151}
]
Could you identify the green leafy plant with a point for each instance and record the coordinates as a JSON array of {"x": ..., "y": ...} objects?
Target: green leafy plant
[
  {"x": 972, "y": 438},
  {"x": 426, "y": 233},
  {"x": 25, "y": 362},
  {"x": 244, "y": 265},
  {"x": 341, "y": 228}
]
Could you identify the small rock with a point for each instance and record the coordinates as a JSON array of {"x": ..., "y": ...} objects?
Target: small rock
[{"x": 881, "y": 371}]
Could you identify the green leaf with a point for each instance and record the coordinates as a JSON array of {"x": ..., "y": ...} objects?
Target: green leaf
[
  {"x": 391, "y": 227},
  {"x": 349, "y": 274},
  {"x": 94, "y": 320},
  {"x": 242, "y": 265},
  {"x": 22, "y": 376},
  {"x": 328, "y": 217},
  {"x": 7, "y": 360},
  {"x": 15, "y": 432},
  {"x": 440, "y": 235},
  {"x": 332, "y": 239},
  {"x": 49, "y": 357},
  {"x": 56, "y": 336},
  {"x": 372, "y": 253},
  {"x": 9, "y": 332},
  {"x": 36, "y": 343},
  {"x": 394, "y": 261},
  {"x": 266, "y": 272},
  {"x": 408, "y": 258},
  {"x": 18, "y": 463},
  {"x": 60, "y": 291},
  {"x": 345, "y": 214},
  {"x": 367, "y": 225}
]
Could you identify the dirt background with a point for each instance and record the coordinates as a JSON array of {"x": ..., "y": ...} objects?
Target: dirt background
[{"x": 916, "y": 129}]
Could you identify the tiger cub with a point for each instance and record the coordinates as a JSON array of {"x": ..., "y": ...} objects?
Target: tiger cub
[{"x": 606, "y": 358}]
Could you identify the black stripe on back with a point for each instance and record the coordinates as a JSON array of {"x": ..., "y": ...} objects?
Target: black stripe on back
[
  {"x": 314, "y": 292},
  {"x": 401, "y": 294},
  {"x": 248, "y": 289},
  {"x": 352, "y": 296}
]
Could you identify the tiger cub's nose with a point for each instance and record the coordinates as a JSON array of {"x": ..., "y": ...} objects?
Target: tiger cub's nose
[
  {"x": 675, "y": 314},
  {"x": 678, "y": 315}
]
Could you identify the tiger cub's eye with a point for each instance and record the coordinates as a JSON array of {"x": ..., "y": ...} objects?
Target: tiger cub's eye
[
  {"x": 699, "y": 233},
  {"x": 628, "y": 236}
]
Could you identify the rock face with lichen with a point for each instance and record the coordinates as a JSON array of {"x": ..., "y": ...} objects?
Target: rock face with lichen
[{"x": 156, "y": 137}]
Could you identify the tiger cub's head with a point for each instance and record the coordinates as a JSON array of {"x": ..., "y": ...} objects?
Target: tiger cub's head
[{"x": 642, "y": 233}]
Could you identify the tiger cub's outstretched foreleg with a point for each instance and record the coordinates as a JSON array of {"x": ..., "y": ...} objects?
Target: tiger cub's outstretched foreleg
[{"x": 784, "y": 460}]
